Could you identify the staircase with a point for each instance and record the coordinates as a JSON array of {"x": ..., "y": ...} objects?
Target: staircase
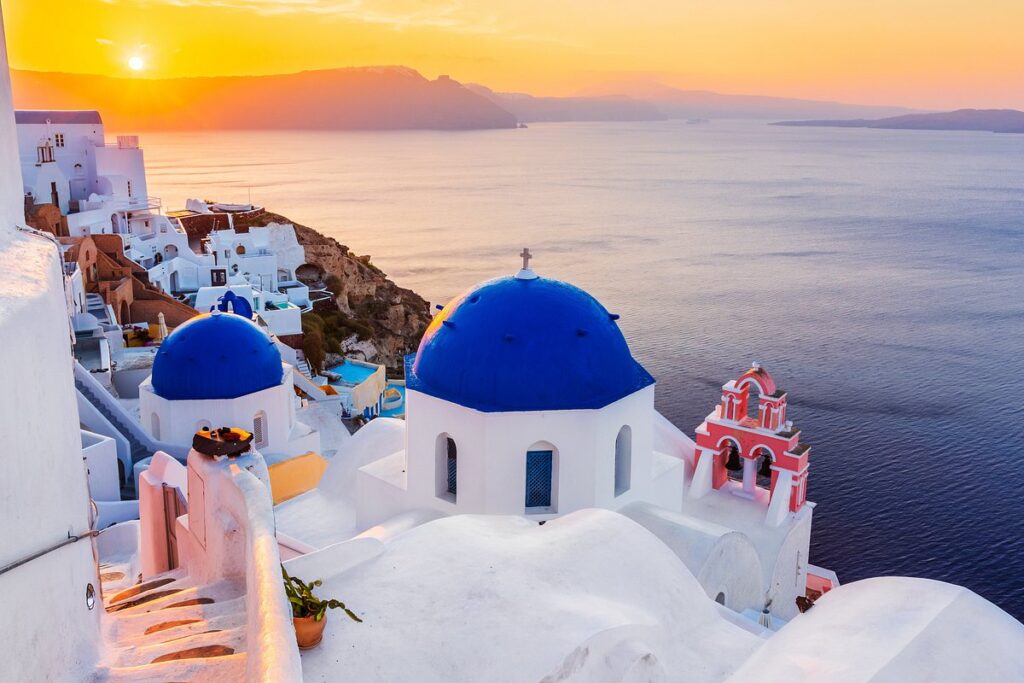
[
  {"x": 140, "y": 444},
  {"x": 170, "y": 628},
  {"x": 95, "y": 305},
  {"x": 139, "y": 449},
  {"x": 303, "y": 366}
]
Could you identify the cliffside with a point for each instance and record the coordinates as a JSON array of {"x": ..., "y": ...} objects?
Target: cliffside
[{"x": 370, "y": 316}]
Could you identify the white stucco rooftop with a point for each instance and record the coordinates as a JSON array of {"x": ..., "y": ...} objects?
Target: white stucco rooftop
[{"x": 586, "y": 597}]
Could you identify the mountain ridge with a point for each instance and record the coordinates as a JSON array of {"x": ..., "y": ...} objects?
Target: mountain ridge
[
  {"x": 390, "y": 97},
  {"x": 360, "y": 98}
]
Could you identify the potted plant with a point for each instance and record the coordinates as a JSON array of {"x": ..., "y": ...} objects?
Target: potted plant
[{"x": 309, "y": 613}]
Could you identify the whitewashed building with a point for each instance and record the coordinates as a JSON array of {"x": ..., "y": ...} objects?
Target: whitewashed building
[{"x": 221, "y": 369}]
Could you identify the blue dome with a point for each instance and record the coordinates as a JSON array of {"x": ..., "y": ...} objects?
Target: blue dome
[
  {"x": 215, "y": 355},
  {"x": 525, "y": 344}
]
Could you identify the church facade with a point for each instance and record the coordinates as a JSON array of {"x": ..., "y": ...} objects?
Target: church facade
[{"x": 524, "y": 399}]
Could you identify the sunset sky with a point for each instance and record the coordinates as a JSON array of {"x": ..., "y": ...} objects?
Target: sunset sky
[{"x": 908, "y": 52}]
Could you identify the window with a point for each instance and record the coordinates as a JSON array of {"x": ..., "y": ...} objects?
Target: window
[
  {"x": 720, "y": 598},
  {"x": 58, "y": 139},
  {"x": 129, "y": 188},
  {"x": 259, "y": 430},
  {"x": 540, "y": 475},
  {"x": 446, "y": 467},
  {"x": 154, "y": 422},
  {"x": 623, "y": 459}
]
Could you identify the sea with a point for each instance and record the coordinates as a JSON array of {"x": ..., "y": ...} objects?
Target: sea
[{"x": 878, "y": 275}]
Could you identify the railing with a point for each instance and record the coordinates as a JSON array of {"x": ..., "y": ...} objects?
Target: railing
[
  {"x": 142, "y": 203},
  {"x": 94, "y": 391},
  {"x": 256, "y": 252}
]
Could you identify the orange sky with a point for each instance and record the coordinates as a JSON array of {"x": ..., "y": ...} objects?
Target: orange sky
[{"x": 929, "y": 54}]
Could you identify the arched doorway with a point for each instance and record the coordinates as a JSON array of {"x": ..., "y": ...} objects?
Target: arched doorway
[{"x": 124, "y": 313}]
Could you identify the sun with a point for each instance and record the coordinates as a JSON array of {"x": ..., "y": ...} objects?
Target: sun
[{"x": 135, "y": 63}]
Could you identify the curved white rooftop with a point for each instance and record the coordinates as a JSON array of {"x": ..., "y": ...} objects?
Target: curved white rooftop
[
  {"x": 893, "y": 630},
  {"x": 486, "y": 598}
]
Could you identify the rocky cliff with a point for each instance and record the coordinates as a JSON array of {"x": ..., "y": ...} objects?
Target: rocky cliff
[{"x": 370, "y": 316}]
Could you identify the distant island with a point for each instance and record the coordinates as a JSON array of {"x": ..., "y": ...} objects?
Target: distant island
[
  {"x": 385, "y": 98},
  {"x": 989, "y": 120}
]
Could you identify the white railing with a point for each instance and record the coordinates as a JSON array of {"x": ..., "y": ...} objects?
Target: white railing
[{"x": 114, "y": 407}]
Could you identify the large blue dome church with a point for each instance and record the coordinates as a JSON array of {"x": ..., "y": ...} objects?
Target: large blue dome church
[
  {"x": 525, "y": 343},
  {"x": 216, "y": 356}
]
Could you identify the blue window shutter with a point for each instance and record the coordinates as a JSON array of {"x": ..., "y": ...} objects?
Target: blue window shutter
[{"x": 538, "y": 478}]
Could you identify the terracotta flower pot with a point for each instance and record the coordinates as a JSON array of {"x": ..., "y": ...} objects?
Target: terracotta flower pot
[{"x": 308, "y": 631}]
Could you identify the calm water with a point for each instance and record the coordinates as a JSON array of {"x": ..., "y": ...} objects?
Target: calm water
[{"x": 879, "y": 275}]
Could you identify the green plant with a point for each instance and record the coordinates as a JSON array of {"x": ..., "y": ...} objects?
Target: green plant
[
  {"x": 305, "y": 604},
  {"x": 313, "y": 346}
]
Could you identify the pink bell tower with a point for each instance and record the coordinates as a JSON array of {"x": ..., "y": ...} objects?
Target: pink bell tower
[{"x": 732, "y": 439}]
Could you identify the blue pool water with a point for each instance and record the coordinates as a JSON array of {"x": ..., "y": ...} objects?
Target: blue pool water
[
  {"x": 879, "y": 275},
  {"x": 351, "y": 373},
  {"x": 400, "y": 410}
]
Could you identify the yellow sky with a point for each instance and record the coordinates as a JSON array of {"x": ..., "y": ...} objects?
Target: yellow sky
[{"x": 933, "y": 54}]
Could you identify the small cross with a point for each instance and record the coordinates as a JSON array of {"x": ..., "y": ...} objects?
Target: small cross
[{"x": 526, "y": 256}]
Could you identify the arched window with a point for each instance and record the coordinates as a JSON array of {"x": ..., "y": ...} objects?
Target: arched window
[
  {"x": 154, "y": 425},
  {"x": 753, "y": 401},
  {"x": 623, "y": 459},
  {"x": 764, "y": 461},
  {"x": 733, "y": 460},
  {"x": 259, "y": 430},
  {"x": 240, "y": 250},
  {"x": 541, "y": 478},
  {"x": 720, "y": 598},
  {"x": 446, "y": 467}
]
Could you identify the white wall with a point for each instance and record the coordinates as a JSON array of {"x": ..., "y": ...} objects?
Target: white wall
[
  {"x": 43, "y": 489},
  {"x": 491, "y": 459},
  {"x": 100, "y": 454},
  {"x": 80, "y": 143},
  {"x": 128, "y": 163},
  {"x": 40, "y": 179},
  {"x": 179, "y": 420},
  {"x": 12, "y": 210}
]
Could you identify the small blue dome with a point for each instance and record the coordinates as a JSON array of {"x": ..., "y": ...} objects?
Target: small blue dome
[
  {"x": 516, "y": 344},
  {"x": 215, "y": 355}
]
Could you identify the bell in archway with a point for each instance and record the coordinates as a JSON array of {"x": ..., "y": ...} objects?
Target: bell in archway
[
  {"x": 733, "y": 464},
  {"x": 766, "y": 467}
]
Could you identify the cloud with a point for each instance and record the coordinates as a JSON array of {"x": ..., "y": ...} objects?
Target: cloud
[{"x": 450, "y": 15}]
